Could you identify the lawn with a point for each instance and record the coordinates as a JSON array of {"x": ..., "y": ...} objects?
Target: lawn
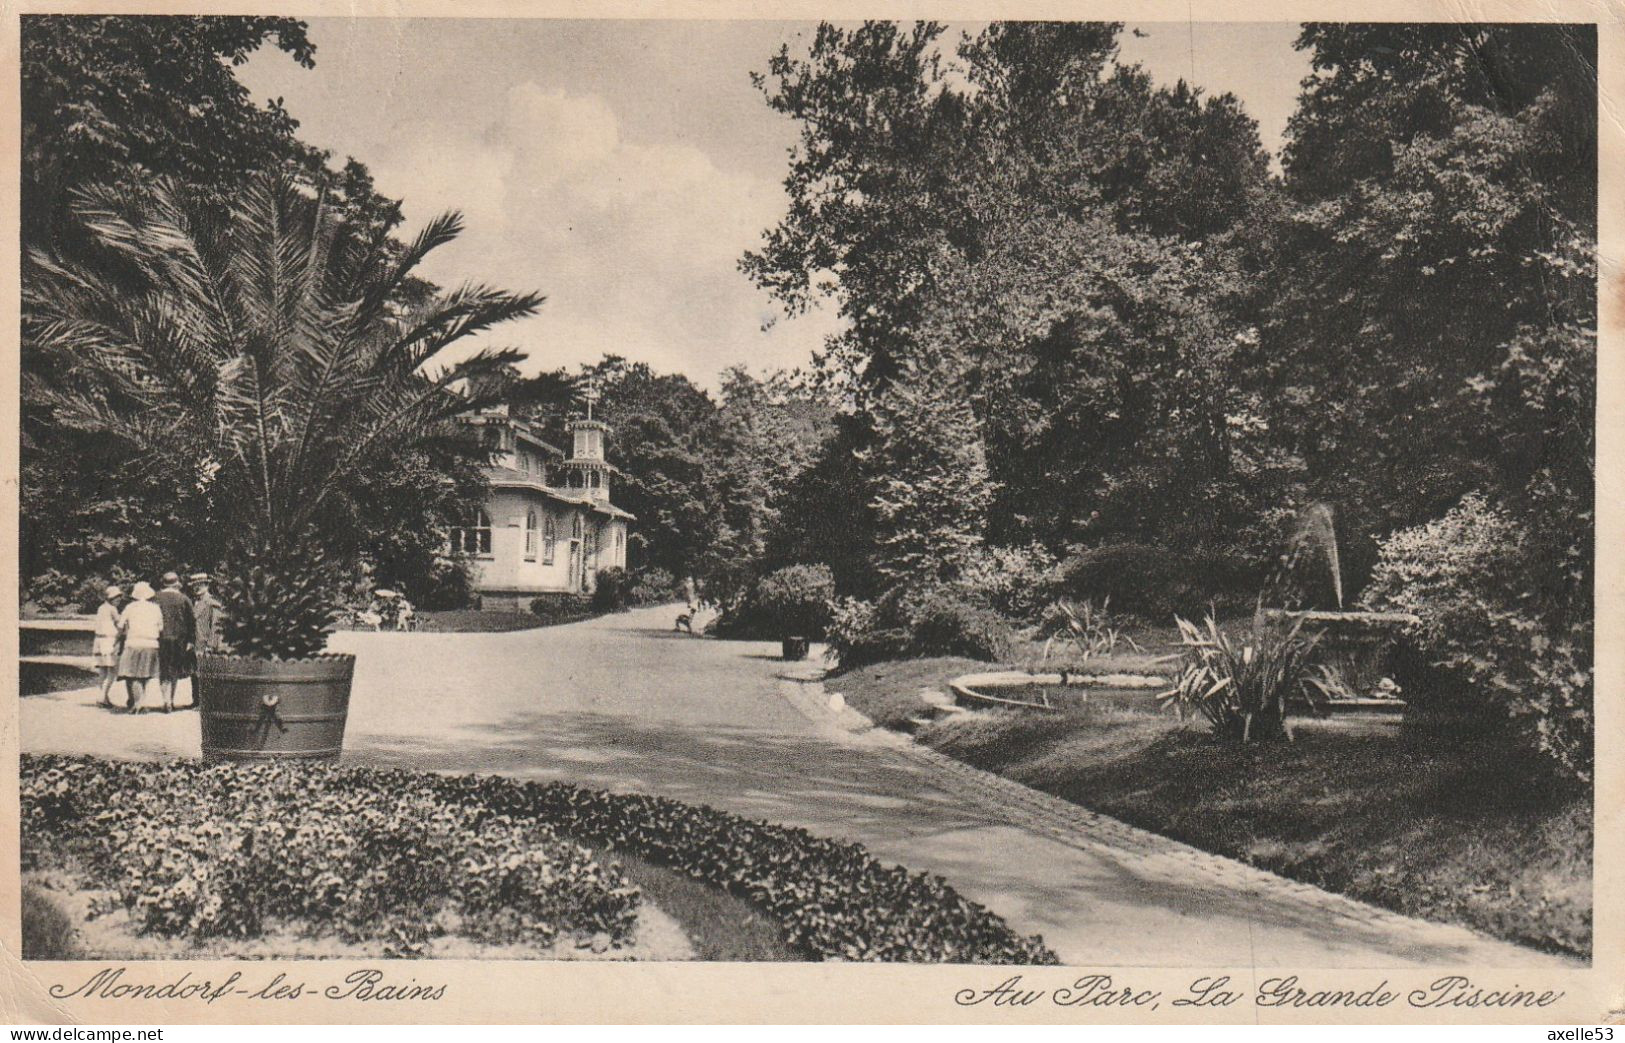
[
  {"x": 722, "y": 928},
  {"x": 486, "y": 621},
  {"x": 1442, "y": 831},
  {"x": 476, "y": 621}
]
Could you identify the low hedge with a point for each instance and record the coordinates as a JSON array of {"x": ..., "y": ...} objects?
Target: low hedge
[
  {"x": 832, "y": 900},
  {"x": 555, "y": 609}
]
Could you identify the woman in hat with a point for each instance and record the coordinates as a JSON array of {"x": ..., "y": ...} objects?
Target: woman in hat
[
  {"x": 140, "y": 624},
  {"x": 106, "y": 648}
]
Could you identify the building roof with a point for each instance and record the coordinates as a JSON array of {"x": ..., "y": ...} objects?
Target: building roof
[
  {"x": 508, "y": 478},
  {"x": 499, "y": 416}
]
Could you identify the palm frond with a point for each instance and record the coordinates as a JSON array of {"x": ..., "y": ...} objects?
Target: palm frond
[
  {"x": 376, "y": 297},
  {"x": 252, "y": 340}
]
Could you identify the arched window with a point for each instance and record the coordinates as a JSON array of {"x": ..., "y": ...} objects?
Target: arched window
[
  {"x": 531, "y": 534},
  {"x": 575, "y": 526},
  {"x": 595, "y": 479},
  {"x": 474, "y": 538},
  {"x": 550, "y": 537}
]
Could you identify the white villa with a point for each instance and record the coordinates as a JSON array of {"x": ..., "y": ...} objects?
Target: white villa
[{"x": 548, "y": 526}]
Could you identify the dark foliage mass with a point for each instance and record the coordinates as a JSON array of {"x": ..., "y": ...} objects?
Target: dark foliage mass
[
  {"x": 1083, "y": 313},
  {"x": 112, "y": 106},
  {"x": 389, "y": 854}
]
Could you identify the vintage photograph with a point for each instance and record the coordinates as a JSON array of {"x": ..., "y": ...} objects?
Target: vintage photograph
[{"x": 1038, "y": 493}]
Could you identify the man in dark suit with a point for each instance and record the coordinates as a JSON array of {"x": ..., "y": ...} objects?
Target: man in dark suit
[{"x": 176, "y": 640}]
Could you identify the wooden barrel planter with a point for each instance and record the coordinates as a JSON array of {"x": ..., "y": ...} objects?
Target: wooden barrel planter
[{"x": 259, "y": 709}]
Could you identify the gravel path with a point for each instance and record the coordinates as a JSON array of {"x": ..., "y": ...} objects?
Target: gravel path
[{"x": 623, "y": 703}]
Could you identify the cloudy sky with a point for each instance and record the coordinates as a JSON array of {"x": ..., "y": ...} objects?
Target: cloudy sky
[{"x": 622, "y": 167}]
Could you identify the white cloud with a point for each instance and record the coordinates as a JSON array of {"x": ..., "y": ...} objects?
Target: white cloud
[{"x": 634, "y": 244}]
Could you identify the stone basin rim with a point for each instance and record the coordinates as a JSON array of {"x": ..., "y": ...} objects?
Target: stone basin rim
[
  {"x": 1334, "y": 616},
  {"x": 965, "y": 686}
]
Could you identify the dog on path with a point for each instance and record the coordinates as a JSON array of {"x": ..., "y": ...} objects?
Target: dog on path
[{"x": 685, "y": 621}]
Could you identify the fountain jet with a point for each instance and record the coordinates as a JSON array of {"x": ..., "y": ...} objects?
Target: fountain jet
[{"x": 1316, "y": 527}]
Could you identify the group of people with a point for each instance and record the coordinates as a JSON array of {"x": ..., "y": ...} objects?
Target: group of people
[
  {"x": 149, "y": 634},
  {"x": 388, "y": 609}
]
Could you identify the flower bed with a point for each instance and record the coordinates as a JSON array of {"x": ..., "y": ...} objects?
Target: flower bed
[
  {"x": 200, "y": 853},
  {"x": 218, "y": 849}
]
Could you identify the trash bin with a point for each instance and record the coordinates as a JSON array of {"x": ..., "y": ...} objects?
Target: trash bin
[{"x": 795, "y": 648}]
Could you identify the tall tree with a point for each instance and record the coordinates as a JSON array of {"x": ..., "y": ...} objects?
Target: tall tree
[
  {"x": 119, "y": 99},
  {"x": 873, "y": 184},
  {"x": 927, "y": 474},
  {"x": 1434, "y": 321},
  {"x": 1078, "y": 239},
  {"x": 768, "y": 431}
]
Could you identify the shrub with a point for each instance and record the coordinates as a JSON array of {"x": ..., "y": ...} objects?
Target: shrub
[
  {"x": 612, "y": 590},
  {"x": 1082, "y": 631},
  {"x": 796, "y": 600},
  {"x": 92, "y": 590},
  {"x": 52, "y": 590},
  {"x": 56, "y": 591},
  {"x": 856, "y": 638},
  {"x": 1017, "y": 582},
  {"x": 938, "y": 621},
  {"x": 943, "y": 622},
  {"x": 793, "y": 601},
  {"x": 1475, "y": 578},
  {"x": 655, "y": 586},
  {"x": 446, "y": 584},
  {"x": 1136, "y": 577},
  {"x": 1242, "y": 683},
  {"x": 562, "y": 608},
  {"x": 1154, "y": 582},
  {"x": 832, "y": 900}
]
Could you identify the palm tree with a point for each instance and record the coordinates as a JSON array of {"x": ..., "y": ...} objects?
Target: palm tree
[{"x": 266, "y": 353}]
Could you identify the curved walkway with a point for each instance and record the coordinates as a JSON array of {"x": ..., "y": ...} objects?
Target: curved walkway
[{"x": 623, "y": 703}]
